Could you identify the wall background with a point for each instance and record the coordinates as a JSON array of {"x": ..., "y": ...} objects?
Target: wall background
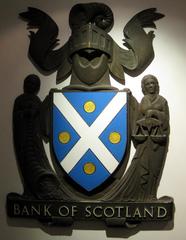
[{"x": 169, "y": 66}]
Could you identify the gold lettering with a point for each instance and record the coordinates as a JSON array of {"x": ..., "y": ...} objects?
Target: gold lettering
[
  {"x": 162, "y": 212},
  {"x": 96, "y": 214},
  {"x": 87, "y": 211},
  {"x": 64, "y": 211},
  {"x": 107, "y": 210},
  {"x": 16, "y": 209},
  {"x": 149, "y": 212}
]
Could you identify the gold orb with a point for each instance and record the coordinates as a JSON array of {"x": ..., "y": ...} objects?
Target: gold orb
[
  {"x": 89, "y": 107},
  {"x": 89, "y": 168},
  {"x": 114, "y": 137},
  {"x": 64, "y": 137}
]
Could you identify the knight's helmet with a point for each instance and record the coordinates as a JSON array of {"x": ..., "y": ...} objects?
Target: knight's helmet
[{"x": 90, "y": 24}]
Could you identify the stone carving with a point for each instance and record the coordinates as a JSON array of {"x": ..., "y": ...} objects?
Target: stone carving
[
  {"x": 39, "y": 180},
  {"x": 96, "y": 119},
  {"x": 90, "y": 49}
]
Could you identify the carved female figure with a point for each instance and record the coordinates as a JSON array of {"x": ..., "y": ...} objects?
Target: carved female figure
[
  {"x": 150, "y": 138},
  {"x": 153, "y": 106}
]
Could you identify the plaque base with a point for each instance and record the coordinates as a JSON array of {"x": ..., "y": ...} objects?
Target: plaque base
[{"x": 56, "y": 212}]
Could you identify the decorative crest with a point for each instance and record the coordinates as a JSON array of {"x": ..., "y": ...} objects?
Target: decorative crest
[{"x": 90, "y": 125}]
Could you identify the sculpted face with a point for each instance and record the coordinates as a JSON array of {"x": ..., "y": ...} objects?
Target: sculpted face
[{"x": 150, "y": 86}]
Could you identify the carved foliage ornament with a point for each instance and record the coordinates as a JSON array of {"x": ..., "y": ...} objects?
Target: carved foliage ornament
[{"x": 90, "y": 125}]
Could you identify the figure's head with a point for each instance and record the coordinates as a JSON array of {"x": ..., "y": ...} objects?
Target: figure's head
[
  {"x": 32, "y": 84},
  {"x": 150, "y": 85}
]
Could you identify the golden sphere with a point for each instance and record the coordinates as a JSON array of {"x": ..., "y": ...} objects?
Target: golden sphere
[
  {"x": 64, "y": 137},
  {"x": 89, "y": 107},
  {"x": 114, "y": 137},
  {"x": 89, "y": 168}
]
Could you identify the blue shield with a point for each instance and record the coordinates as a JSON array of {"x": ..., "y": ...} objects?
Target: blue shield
[{"x": 89, "y": 134}]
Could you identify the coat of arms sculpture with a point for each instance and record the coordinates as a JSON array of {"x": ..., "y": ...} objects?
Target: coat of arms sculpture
[{"x": 90, "y": 124}]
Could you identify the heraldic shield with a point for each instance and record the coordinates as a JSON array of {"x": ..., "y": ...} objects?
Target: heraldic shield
[{"x": 90, "y": 131}]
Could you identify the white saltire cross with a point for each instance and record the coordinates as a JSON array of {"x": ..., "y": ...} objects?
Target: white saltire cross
[{"x": 89, "y": 134}]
